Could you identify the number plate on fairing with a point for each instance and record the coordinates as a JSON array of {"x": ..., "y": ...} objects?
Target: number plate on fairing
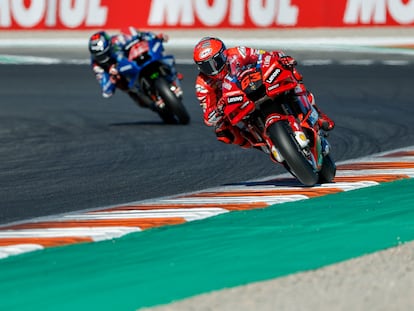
[{"x": 313, "y": 116}]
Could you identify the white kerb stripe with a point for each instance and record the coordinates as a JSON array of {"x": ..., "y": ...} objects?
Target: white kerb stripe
[
  {"x": 188, "y": 214},
  {"x": 237, "y": 199},
  {"x": 6, "y": 251},
  {"x": 96, "y": 234}
]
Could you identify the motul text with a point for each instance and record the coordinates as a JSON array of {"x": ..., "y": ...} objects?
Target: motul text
[
  {"x": 379, "y": 11},
  {"x": 86, "y": 14},
  {"x": 52, "y": 13},
  {"x": 273, "y": 13},
  {"x": 218, "y": 12}
]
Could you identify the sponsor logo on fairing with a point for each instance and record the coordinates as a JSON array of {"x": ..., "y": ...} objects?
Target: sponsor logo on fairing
[
  {"x": 273, "y": 75},
  {"x": 156, "y": 47},
  {"x": 267, "y": 61},
  {"x": 272, "y": 119},
  {"x": 125, "y": 68},
  {"x": 273, "y": 87},
  {"x": 226, "y": 86},
  {"x": 244, "y": 105},
  {"x": 235, "y": 99}
]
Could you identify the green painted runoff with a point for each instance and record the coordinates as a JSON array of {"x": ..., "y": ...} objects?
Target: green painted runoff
[{"x": 160, "y": 265}]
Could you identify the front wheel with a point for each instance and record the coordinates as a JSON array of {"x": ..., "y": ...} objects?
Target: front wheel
[
  {"x": 174, "y": 107},
  {"x": 282, "y": 137}
]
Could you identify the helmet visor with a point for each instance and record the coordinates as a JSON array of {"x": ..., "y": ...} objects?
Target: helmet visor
[
  {"x": 102, "y": 57},
  {"x": 214, "y": 65}
]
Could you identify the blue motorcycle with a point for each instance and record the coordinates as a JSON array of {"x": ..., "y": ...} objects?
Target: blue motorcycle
[{"x": 152, "y": 73}]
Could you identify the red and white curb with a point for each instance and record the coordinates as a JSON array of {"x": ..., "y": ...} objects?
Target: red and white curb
[{"x": 116, "y": 221}]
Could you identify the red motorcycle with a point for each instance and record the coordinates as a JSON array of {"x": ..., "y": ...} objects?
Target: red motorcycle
[{"x": 261, "y": 101}]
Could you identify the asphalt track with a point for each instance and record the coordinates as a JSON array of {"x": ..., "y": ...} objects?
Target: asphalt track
[{"x": 64, "y": 148}]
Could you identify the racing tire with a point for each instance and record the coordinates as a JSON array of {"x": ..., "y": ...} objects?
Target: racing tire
[
  {"x": 282, "y": 137},
  {"x": 166, "y": 116},
  {"x": 173, "y": 104},
  {"x": 328, "y": 170}
]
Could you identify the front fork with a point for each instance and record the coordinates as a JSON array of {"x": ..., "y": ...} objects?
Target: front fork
[
  {"x": 174, "y": 84},
  {"x": 169, "y": 70}
]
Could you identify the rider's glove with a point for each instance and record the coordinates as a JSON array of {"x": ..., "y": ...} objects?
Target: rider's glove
[
  {"x": 114, "y": 74},
  {"x": 220, "y": 105},
  {"x": 214, "y": 114},
  {"x": 163, "y": 37},
  {"x": 113, "y": 71},
  {"x": 214, "y": 117},
  {"x": 288, "y": 62}
]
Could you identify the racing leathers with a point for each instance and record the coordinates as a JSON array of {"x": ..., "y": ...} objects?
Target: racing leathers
[{"x": 209, "y": 92}]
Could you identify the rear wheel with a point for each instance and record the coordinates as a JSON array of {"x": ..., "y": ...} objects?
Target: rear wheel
[
  {"x": 282, "y": 137},
  {"x": 174, "y": 107},
  {"x": 328, "y": 170}
]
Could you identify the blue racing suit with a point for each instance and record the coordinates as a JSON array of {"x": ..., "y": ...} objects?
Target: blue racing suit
[{"x": 107, "y": 74}]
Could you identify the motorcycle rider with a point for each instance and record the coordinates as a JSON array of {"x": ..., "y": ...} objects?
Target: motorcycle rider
[
  {"x": 215, "y": 62},
  {"x": 106, "y": 51}
]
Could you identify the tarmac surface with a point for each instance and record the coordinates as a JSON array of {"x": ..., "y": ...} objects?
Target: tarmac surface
[{"x": 381, "y": 281}]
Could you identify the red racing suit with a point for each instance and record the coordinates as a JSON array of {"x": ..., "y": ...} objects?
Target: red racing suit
[{"x": 208, "y": 92}]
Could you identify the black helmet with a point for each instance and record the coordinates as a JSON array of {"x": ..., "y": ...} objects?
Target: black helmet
[{"x": 100, "y": 47}]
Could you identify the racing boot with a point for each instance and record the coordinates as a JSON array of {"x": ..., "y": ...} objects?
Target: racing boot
[
  {"x": 229, "y": 134},
  {"x": 325, "y": 122},
  {"x": 241, "y": 138}
]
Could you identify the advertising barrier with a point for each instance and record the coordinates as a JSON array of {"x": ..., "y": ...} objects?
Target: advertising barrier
[{"x": 192, "y": 14}]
